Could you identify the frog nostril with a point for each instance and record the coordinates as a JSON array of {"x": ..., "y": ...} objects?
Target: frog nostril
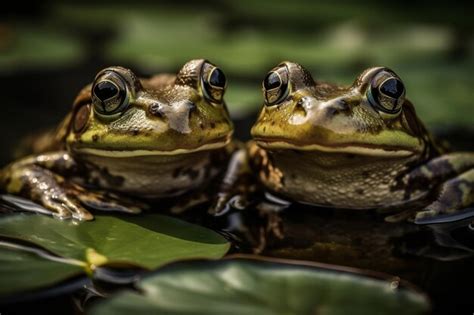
[
  {"x": 155, "y": 109},
  {"x": 300, "y": 102},
  {"x": 301, "y": 106},
  {"x": 192, "y": 107}
]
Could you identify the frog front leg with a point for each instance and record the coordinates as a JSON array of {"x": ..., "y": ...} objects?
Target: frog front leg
[
  {"x": 42, "y": 179},
  {"x": 231, "y": 189},
  {"x": 37, "y": 178},
  {"x": 450, "y": 178},
  {"x": 236, "y": 185}
]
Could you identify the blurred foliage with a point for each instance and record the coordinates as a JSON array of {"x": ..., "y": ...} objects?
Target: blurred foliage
[
  {"x": 430, "y": 46},
  {"x": 24, "y": 45}
]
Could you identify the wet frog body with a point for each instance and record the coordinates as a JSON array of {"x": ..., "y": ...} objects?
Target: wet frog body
[
  {"x": 148, "y": 138},
  {"x": 356, "y": 147}
]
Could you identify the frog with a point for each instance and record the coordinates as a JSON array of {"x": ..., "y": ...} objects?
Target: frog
[
  {"x": 356, "y": 147},
  {"x": 129, "y": 140}
]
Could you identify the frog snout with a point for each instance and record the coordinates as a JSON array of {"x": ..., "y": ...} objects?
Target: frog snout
[
  {"x": 177, "y": 114},
  {"x": 335, "y": 106},
  {"x": 181, "y": 109},
  {"x": 326, "y": 108}
]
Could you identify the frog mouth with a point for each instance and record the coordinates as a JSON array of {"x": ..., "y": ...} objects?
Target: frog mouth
[
  {"x": 214, "y": 144},
  {"x": 347, "y": 148}
]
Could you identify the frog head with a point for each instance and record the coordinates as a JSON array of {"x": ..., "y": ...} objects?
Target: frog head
[
  {"x": 120, "y": 115},
  {"x": 370, "y": 117}
]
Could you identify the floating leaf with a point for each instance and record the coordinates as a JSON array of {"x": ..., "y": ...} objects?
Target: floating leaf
[
  {"x": 24, "y": 271},
  {"x": 243, "y": 286},
  {"x": 148, "y": 241}
]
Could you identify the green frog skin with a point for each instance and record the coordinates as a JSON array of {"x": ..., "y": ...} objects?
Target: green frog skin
[
  {"x": 355, "y": 147},
  {"x": 153, "y": 138}
]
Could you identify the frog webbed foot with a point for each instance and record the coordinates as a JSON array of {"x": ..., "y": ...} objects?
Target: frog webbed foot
[
  {"x": 46, "y": 189},
  {"x": 32, "y": 178},
  {"x": 452, "y": 197},
  {"x": 108, "y": 201},
  {"x": 450, "y": 180},
  {"x": 236, "y": 186},
  {"x": 64, "y": 206}
]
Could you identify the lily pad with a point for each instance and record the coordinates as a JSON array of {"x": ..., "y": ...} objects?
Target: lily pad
[
  {"x": 24, "y": 271},
  {"x": 245, "y": 286},
  {"x": 146, "y": 241}
]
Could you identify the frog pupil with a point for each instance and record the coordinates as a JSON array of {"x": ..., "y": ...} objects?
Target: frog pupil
[
  {"x": 217, "y": 78},
  {"x": 392, "y": 87},
  {"x": 105, "y": 90},
  {"x": 272, "y": 81}
]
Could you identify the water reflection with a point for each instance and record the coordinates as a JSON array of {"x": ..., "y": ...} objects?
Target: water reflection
[{"x": 352, "y": 238}]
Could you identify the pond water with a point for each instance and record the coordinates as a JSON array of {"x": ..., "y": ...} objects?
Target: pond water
[{"x": 437, "y": 258}]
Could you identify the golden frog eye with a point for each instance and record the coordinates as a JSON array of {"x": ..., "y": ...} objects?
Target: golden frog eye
[
  {"x": 213, "y": 82},
  {"x": 109, "y": 93},
  {"x": 386, "y": 92},
  {"x": 275, "y": 86}
]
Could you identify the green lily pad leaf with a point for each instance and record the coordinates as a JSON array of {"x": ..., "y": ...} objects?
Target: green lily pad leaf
[
  {"x": 243, "y": 286},
  {"x": 25, "y": 271},
  {"x": 148, "y": 241}
]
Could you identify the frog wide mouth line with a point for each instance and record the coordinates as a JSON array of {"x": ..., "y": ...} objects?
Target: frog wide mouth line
[
  {"x": 116, "y": 153},
  {"x": 348, "y": 148}
]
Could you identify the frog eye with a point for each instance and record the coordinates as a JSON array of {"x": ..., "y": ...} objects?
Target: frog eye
[
  {"x": 109, "y": 93},
  {"x": 386, "y": 92},
  {"x": 213, "y": 82},
  {"x": 275, "y": 86}
]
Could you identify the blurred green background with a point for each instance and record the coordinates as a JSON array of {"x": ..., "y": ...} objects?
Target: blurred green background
[{"x": 50, "y": 49}]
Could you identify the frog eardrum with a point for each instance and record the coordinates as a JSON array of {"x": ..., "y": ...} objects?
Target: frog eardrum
[
  {"x": 275, "y": 85},
  {"x": 81, "y": 118},
  {"x": 386, "y": 91}
]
